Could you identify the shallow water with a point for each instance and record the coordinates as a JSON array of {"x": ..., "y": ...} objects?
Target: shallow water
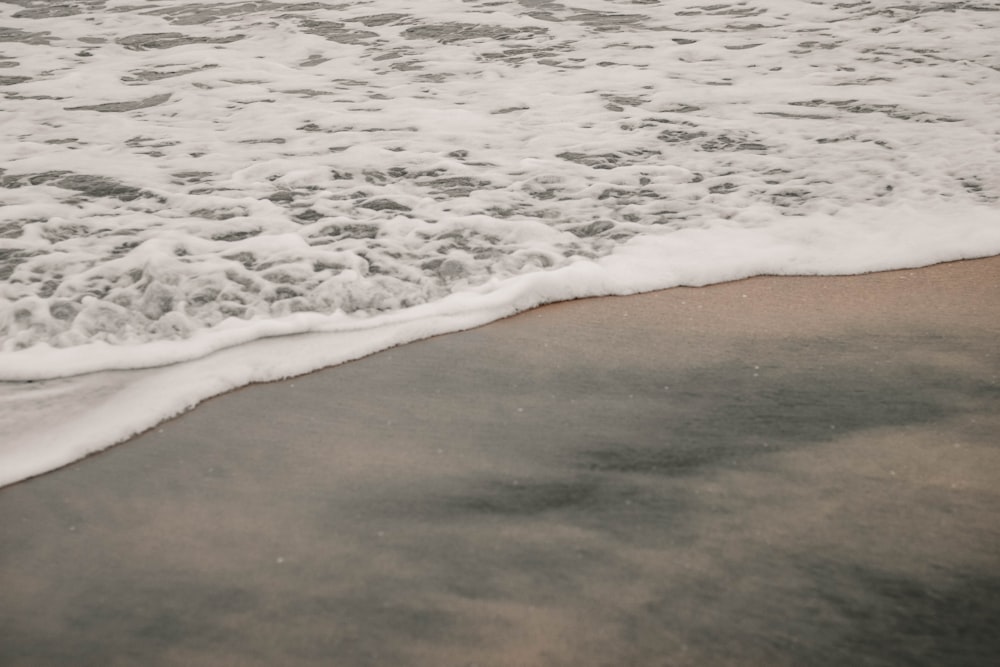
[
  {"x": 173, "y": 166},
  {"x": 182, "y": 178}
]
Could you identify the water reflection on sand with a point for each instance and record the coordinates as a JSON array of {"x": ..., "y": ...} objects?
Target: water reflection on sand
[{"x": 580, "y": 485}]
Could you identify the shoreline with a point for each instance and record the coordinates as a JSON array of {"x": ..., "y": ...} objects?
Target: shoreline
[{"x": 780, "y": 470}]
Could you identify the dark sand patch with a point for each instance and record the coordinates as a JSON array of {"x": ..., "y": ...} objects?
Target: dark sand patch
[{"x": 779, "y": 471}]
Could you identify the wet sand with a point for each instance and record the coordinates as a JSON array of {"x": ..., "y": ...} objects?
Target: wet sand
[{"x": 777, "y": 471}]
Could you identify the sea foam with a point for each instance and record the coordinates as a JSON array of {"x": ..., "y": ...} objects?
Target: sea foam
[{"x": 196, "y": 196}]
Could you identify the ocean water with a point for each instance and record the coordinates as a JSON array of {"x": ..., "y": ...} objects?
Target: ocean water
[{"x": 199, "y": 195}]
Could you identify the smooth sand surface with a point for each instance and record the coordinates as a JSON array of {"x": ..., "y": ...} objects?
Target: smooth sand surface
[{"x": 777, "y": 471}]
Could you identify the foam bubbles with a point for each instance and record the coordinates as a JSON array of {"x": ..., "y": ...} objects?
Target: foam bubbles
[{"x": 181, "y": 178}]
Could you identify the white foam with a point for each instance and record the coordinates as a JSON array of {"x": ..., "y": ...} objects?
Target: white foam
[{"x": 198, "y": 196}]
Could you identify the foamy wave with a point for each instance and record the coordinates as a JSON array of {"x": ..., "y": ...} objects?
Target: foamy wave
[
  {"x": 180, "y": 168},
  {"x": 199, "y": 181}
]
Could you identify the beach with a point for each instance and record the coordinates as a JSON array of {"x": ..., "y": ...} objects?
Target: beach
[
  {"x": 773, "y": 471},
  {"x": 215, "y": 199}
]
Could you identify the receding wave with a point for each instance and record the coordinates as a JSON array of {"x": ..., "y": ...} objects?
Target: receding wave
[
  {"x": 171, "y": 168},
  {"x": 183, "y": 178}
]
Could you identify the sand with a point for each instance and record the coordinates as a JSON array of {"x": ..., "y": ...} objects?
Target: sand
[{"x": 776, "y": 471}]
